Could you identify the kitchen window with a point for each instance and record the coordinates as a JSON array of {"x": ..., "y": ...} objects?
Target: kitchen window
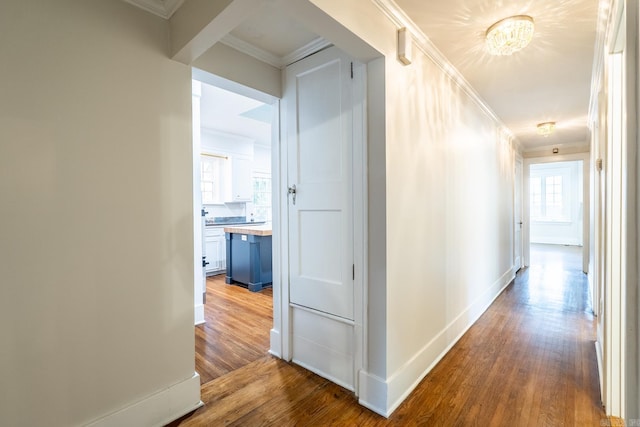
[
  {"x": 212, "y": 178},
  {"x": 262, "y": 196}
]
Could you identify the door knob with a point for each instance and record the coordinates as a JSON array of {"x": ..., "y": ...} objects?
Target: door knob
[{"x": 292, "y": 190}]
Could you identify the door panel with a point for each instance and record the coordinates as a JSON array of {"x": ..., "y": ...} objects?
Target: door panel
[{"x": 320, "y": 131}]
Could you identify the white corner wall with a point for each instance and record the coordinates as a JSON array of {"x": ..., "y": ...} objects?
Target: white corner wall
[
  {"x": 448, "y": 214},
  {"x": 96, "y": 237}
]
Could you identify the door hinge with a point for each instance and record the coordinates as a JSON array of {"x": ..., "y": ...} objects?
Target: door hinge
[
  {"x": 352, "y": 71},
  {"x": 353, "y": 271}
]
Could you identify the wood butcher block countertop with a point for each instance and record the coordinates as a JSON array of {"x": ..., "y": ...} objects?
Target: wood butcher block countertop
[{"x": 256, "y": 230}]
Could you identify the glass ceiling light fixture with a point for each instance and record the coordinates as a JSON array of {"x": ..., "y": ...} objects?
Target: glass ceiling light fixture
[
  {"x": 509, "y": 35},
  {"x": 545, "y": 129}
]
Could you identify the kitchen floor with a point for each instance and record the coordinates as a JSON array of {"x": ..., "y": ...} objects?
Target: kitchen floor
[{"x": 236, "y": 331}]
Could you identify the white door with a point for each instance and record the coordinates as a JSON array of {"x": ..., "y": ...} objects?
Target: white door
[
  {"x": 518, "y": 215},
  {"x": 320, "y": 151}
]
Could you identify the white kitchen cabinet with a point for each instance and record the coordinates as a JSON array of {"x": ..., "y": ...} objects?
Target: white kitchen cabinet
[
  {"x": 215, "y": 249},
  {"x": 241, "y": 184}
]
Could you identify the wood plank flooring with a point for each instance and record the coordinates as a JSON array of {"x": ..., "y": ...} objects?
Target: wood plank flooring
[
  {"x": 236, "y": 331},
  {"x": 528, "y": 361}
]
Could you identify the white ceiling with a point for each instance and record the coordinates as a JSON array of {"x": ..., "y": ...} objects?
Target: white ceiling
[
  {"x": 274, "y": 32},
  {"x": 547, "y": 81},
  {"x": 234, "y": 114}
]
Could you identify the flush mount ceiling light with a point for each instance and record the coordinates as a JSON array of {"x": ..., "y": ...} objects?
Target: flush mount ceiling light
[
  {"x": 509, "y": 35},
  {"x": 545, "y": 129}
]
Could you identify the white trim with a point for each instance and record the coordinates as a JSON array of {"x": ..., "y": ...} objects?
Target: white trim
[
  {"x": 360, "y": 223},
  {"x": 518, "y": 163},
  {"x": 604, "y": 9},
  {"x": 383, "y": 397},
  {"x": 267, "y": 57},
  {"x": 399, "y": 17},
  {"x": 280, "y": 279},
  {"x": 159, "y": 408},
  {"x": 322, "y": 314},
  {"x": 252, "y": 50},
  {"x": 275, "y": 342},
  {"x": 162, "y": 8},
  {"x": 283, "y": 157},
  {"x": 199, "y": 314},
  {"x": 373, "y": 393},
  {"x": 310, "y": 48},
  {"x": 600, "y": 362},
  {"x": 170, "y": 7},
  {"x": 231, "y": 86}
]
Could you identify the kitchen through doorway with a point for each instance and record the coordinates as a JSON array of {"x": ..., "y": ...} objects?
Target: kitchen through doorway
[{"x": 232, "y": 140}]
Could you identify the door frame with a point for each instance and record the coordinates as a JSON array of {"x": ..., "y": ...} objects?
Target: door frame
[
  {"x": 586, "y": 176},
  {"x": 518, "y": 197},
  {"x": 281, "y": 334}
]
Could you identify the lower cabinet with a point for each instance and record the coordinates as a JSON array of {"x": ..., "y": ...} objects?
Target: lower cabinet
[
  {"x": 215, "y": 250},
  {"x": 249, "y": 260}
]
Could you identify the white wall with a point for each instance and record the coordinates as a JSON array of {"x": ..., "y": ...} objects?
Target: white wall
[
  {"x": 262, "y": 159},
  {"x": 448, "y": 213},
  {"x": 96, "y": 241},
  {"x": 568, "y": 231},
  {"x": 440, "y": 198}
]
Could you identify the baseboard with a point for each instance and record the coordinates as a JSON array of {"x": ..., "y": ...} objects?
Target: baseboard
[
  {"x": 405, "y": 379},
  {"x": 275, "y": 343},
  {"x": 158, "y": 409},
  {"x": 373, "y": 393},
  {"x": 198, "y": 312},
  {"x": 600, "y": 367}
]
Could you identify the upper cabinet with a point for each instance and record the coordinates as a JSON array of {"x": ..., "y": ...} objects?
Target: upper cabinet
[
  {"x": 226, "y": 179},
  {"x": 241, "y": 185}
]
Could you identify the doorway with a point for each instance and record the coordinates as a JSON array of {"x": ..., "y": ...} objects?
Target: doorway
[
  {"x": 232, "y": 139},
  {"x": 304, "y": 217},
  {"x": 556, "y": 204}
]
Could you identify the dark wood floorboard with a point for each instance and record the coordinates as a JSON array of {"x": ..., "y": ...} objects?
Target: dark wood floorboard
[{"x": 528, "y": 361}]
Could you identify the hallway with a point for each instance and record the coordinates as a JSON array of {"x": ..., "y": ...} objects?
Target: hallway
[{"x": 529, "y": 360}]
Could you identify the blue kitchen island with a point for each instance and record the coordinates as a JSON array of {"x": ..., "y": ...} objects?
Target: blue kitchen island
[{"x": 249, "y": 256}]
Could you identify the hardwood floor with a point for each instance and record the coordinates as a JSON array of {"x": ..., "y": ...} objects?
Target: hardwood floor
[
  {"x": 528, "y": 361},
  {"x": 236, "y": 331}
]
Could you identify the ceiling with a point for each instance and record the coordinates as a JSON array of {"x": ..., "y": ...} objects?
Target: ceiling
[
  {"x": 549, "y": 80},
  {"x": 235, "y": 115}
]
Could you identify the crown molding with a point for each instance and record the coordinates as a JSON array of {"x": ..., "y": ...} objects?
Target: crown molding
[
  {"x": 251, "y": 50},
  {"x": 271, "y": 59},
  {"x": 312, "y": 47},
  {"x": 597, "y": 69},
  {"x": 399, "y": 17},
  {"x": 162, "y": 8}
]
